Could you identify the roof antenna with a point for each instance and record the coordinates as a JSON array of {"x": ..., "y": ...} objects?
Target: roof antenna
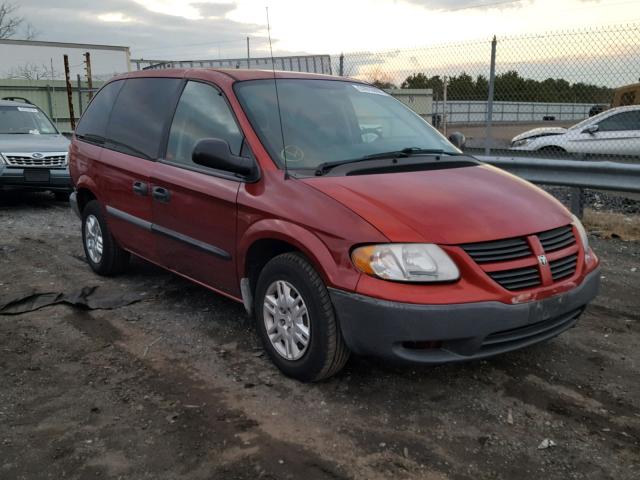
[{"x": 275, "y": 83}]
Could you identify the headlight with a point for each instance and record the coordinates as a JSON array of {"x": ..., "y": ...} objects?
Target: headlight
[
  {"x": 521, "y": 143},
  {"x": 405, "y": 262},
  {"x": 584, "y": 238},
  {"x": 2, "y": 160}
]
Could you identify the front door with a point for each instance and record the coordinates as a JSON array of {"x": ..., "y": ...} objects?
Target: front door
[
  {"x": 194, "y": 207},
  {"x": 617, "y": 134}
]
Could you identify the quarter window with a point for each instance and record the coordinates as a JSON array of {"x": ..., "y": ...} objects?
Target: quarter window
[
  {"x": 93, "y": 124},
  {"x": 138, "y": 119},
  {"x": 202, "y": 113},
  {"x": 621, "y": 121}
]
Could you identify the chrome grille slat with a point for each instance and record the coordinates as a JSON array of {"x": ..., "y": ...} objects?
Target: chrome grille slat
[{"x": 53, "y": 160}]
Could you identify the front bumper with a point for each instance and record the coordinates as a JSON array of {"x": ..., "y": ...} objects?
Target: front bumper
[
  {"x": 58, "y": 179},
  {"x": 432, "y": 334}
]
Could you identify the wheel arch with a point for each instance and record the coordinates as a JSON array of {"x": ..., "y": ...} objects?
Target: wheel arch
[{"x": 268, "y": 238}]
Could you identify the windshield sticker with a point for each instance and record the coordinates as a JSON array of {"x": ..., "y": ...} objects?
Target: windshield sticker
[
  {"x": 368, "y": 89},
  {"x": 26, "y": 109}
]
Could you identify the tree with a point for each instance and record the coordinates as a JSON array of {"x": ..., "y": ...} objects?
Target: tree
[
  {"x": 31, "y": 71},
  {"x": 12, "y": 24},
  {"x": 511, "y": 87},
  {"x": 380, "y": 79}
]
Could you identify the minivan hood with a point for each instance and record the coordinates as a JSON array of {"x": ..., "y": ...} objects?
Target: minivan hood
[
  {"x": 540, "y": 132},
  {"x": 452, "y": 206},
  {"x": 12, "y": 143}
]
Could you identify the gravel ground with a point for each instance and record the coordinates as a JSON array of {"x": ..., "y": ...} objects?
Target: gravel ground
[
  {"x": 600, "y": 201},
  {"x": 176, "y": 386}
]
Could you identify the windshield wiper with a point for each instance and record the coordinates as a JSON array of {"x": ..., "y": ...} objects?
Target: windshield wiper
[{"x": 404, "y": 153}]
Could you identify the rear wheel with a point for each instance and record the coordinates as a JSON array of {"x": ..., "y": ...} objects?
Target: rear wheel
[
  {"x": 295, "y": 320},
  {"x": 103, "y": 254}
]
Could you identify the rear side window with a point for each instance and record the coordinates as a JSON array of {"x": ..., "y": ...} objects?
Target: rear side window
[
  {"x": 139, "y": 116},
  {"x": 93, "y": 124},
  {"x": 202, "y": 113}
]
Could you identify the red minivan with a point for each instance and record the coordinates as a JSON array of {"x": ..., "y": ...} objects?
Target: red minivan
[{"x": 341, "y": 219}]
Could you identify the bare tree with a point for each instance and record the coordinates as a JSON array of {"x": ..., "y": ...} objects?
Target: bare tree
[
  {"x": 12, "y": 24},
  {"x": 31, "y": 71}
]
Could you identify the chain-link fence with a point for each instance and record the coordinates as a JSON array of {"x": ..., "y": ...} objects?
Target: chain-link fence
[{"x": 574, "y": 93}]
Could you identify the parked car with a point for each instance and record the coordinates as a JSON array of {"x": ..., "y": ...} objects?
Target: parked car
[
  {"x": 336, "y": 236},
  {"x": 612, "y": 132},
  {"x": 33, "y": 154}
]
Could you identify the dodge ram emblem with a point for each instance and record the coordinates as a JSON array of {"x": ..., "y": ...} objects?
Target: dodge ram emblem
[{"x": 542, "y": 259}]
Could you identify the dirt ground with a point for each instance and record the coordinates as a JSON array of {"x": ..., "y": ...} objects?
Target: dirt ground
[{"x": 176, "y": 386}]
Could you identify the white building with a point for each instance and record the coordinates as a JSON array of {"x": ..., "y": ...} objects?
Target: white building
[{"x": 21, "y": 57}]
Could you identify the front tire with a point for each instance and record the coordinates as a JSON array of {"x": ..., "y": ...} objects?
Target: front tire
[
  {"x": 295, "y": 320},
  {"x": 103, "y": 254}
]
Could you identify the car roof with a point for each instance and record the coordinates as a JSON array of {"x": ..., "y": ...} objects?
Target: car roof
[
  {"x": 11, "y": 103},
  {"x": 232, "y": 74}
]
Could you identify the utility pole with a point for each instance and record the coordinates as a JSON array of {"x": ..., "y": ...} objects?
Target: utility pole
[
  {"x": 87, "y": 64},
  {"x": 72, "y": 119},
  {"x": 248, "y": 55}
]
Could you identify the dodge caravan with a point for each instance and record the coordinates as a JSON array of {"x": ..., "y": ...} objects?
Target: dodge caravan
[{"x": 342, "y": 220}]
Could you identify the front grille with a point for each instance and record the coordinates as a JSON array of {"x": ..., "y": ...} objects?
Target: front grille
[
  {"x": 527, "y": 275},
  {"x": 518, "y": 278},
  {"x": 563, "y": 267},
  {"x": 557, "y": 239},
  {"x": 498, "y": 251},
  {"x": 53, "y": 160}
]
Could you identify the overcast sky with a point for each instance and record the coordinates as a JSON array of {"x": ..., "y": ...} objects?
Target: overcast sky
[{"x": 186, "y": 29}]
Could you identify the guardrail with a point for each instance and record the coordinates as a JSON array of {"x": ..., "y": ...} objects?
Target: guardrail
[{"x": 600, "y": 175}]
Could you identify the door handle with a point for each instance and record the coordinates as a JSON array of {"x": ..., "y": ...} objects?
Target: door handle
[
  {"x": 140, "y": 188},
  {"x": 161, "y": 194}
]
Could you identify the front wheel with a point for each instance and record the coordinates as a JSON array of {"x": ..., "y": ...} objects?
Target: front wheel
[
  {"x": 295, "y": 320},
  {"x": 103, "y": 254}
]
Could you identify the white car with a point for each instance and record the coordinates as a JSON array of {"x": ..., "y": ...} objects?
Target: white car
[{"x": 612, "y": 132}]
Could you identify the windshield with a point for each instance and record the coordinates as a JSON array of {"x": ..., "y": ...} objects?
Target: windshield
[
  {"x": 25, "y": 120},
  {"x": 331, "y": 121}
]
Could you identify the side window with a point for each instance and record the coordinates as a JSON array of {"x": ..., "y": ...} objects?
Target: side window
[
  {"x": 201, "y": 113},
  {"x": 139, "y": 116},
  {"x": 621, "y": 121},
  {"x": 93, "y": 124}
]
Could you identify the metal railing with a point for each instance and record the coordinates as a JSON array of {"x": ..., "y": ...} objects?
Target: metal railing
[{"x": 599, "y": 175}]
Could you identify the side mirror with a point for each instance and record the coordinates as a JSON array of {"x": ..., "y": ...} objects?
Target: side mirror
[
  {"x": 458, "y": 139},
  {"x": 591, "y": 129},
  {"x": 215, "y": 153}
]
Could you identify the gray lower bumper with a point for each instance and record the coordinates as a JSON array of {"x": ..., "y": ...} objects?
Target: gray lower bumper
[
  {"x": 58, "y": 179},
  {"x": 463, "y": 331}
]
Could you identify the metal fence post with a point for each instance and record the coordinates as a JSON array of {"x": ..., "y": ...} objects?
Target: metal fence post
[
  {"x": 492, "y": 81},
  {"x": 341, "y": 65},
  {"x": 69, "y": 92},
  {"x": 577, "y": 201},
  {"x": 79, "y": 95}
]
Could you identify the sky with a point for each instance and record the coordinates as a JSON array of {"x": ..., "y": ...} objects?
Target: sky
[{"x": 202, "y": 29}]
